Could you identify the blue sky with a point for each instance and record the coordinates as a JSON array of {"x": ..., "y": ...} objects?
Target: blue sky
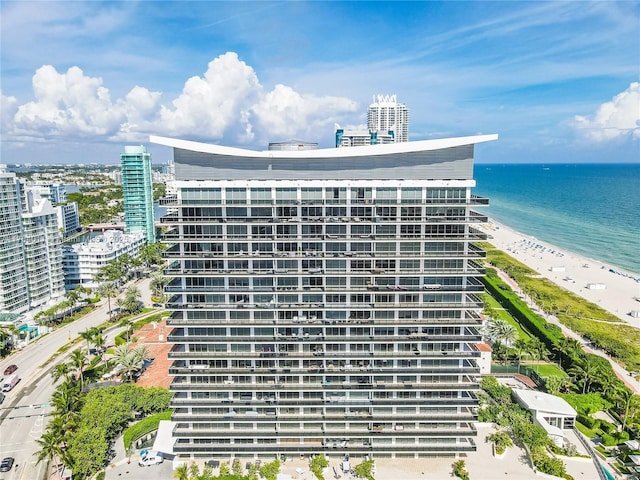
[{"x": 558, "y": 81}]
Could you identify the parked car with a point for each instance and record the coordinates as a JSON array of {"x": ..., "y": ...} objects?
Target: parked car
[
  {"x": 6, "y": 464},
  {"x": 10, "y": 369},
  {"x": 150, "y": 458}
]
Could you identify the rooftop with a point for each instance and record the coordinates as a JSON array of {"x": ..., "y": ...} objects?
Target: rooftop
[
  {"x": 538, "y": 401},
  {"x": 363, "y": 151}
]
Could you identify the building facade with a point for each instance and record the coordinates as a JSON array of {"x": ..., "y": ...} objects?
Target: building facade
[
  {"x": 68, "y": 218},
  {"x": 82, "y": 261},
  {"x": 359, "y": 137},
  {"x": 137, "y": 189},
  {"x": 385, "y": 114},
  {"x": 30, "y": 248},
  {"x": 324, "y": 301}
]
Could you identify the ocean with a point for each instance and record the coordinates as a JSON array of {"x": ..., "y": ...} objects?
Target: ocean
[{"x": 588, "y": 209}]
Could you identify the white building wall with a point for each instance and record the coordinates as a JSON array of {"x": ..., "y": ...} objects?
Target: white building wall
[{"x": 83, "y": 261}]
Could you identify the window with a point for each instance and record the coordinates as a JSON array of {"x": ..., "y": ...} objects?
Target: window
[
  {"x": 236, "y": 195},
  {"x": 260, "y": 195}
]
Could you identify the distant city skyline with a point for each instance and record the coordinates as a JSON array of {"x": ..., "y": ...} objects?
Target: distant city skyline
[{"x": 557, "y": 80}]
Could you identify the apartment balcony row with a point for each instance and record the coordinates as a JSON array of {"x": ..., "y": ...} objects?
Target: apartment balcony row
[
  {"x": 415, "y": 306},
  {"x": 306, "y": 432},
  {"x": 177, "y": 321},
  {"x": 322, "y": 338},
  {"x": 246, "y": 290},
  {"x": 173, "y": 201},
  {"x": 326, "y": 387},
  {"x": 309, "y": 418},
  {"x": 251, "y": 402},
  {"x": 223, "y": 449},
  {"x": 176, "y": 219},
  {"x": 472, "y": 269},
  {"x": 315, "y": 376}
]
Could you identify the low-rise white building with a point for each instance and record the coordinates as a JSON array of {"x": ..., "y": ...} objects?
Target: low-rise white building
[
  {"x": 82, "y": 261},
  {"x": 552, "y": 413}
]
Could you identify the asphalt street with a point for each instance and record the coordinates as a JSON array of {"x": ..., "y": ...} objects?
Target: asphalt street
[{"x": 25, "y": 411}]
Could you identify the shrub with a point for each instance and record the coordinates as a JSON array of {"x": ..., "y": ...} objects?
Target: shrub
[
  {"x": 143, "y": 427},
  {"x": 607, "y": 427},
  {"x": 611, "y": 440},
  {"x": 318, "y": 463},
  {"x": 460, "y": 470},
  {"x": 592, "y": 423}
]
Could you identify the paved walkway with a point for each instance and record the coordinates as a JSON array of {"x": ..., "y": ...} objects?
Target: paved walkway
[{"x": 620, "y": 371}]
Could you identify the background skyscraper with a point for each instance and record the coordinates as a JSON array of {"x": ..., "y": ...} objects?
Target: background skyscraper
[
  {"x": 385, "y": 114},
  {"x": 137, "y": 189}
]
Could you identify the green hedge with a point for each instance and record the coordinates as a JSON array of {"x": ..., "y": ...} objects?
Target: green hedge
[
  {"x": 509, "y": 300},
  {"x": 592, "y": 423},
  {"x": 143, "y": 427}
]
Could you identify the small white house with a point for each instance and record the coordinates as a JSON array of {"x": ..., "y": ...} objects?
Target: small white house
[{"x": 552, "y": 413}]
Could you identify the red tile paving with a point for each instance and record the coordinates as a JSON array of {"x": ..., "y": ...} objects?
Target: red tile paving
[{"x": 154, "y": 336}]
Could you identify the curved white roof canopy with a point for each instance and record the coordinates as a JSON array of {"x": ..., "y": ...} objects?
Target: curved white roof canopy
[{"x": 369, "y": 150}]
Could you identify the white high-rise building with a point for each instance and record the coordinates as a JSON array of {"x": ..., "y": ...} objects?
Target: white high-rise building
[
  {"x": 386, "y": 115},
  {"x": 30, "y": 248},
  {"x": 68, "y": 218},
  {"x": 324, "y": 301}
]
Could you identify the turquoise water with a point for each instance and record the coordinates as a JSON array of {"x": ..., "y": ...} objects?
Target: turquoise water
[
  {"x": 592, "y": 210},
  {"x": 608, "y": 474}
]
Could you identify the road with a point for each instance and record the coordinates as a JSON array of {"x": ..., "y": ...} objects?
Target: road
[{"x": 25, "y": 411}]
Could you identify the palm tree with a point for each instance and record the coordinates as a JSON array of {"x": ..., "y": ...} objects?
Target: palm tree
[
  {"x": 88, "y": 335},
  {"x": 7, "y": 333},
  {"x": 67, "y": 401},
  {"x": 521, "y": 347},
  {"x": 131, "y": 300},
  {"x": 59, "y": 371},
  {"x": 99, "y": 342},
  {"x": 49, "y": 448},
  {"x": 628, "y": 402},
  {"x": 78, "y": 360},
  {"x": 501, "y": 331},
  {"x": 131, "y": 359},
  {"x": 570, "y": 347},
  {"x": 158, "y": 281},
  {"x": 181, "y": 472},
  {"x": 73, "y": 296},
  {"x": 107, "y": 289},
  {"x": 585, "y": 371},
  {"x": 537, "y": 349}
]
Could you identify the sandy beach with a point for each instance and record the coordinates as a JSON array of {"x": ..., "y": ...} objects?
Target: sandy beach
[{"x": 613, "y": 289}]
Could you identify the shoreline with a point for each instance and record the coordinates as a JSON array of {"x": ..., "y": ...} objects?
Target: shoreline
[{"x": 611, "y": 288}]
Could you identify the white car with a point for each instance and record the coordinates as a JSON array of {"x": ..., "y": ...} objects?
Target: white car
[{"x": 150, "y": 459}]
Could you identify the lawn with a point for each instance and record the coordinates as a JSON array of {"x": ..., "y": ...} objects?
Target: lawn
[
  {"x": 548, "y": 370},
  {"x": 500, "y": 313}
]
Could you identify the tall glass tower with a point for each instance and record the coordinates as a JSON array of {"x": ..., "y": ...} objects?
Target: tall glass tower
[
  {"x": 137, "y": 189},
  {"x": 325, "y": 301}
]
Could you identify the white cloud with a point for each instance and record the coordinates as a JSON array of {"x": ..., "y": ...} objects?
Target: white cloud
[
  {"x": 286, "y": 113},
  {"x": 67, "y": 104},
  {"x": 227, "y": 103},
  {"x": 619, "y": 118}
]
